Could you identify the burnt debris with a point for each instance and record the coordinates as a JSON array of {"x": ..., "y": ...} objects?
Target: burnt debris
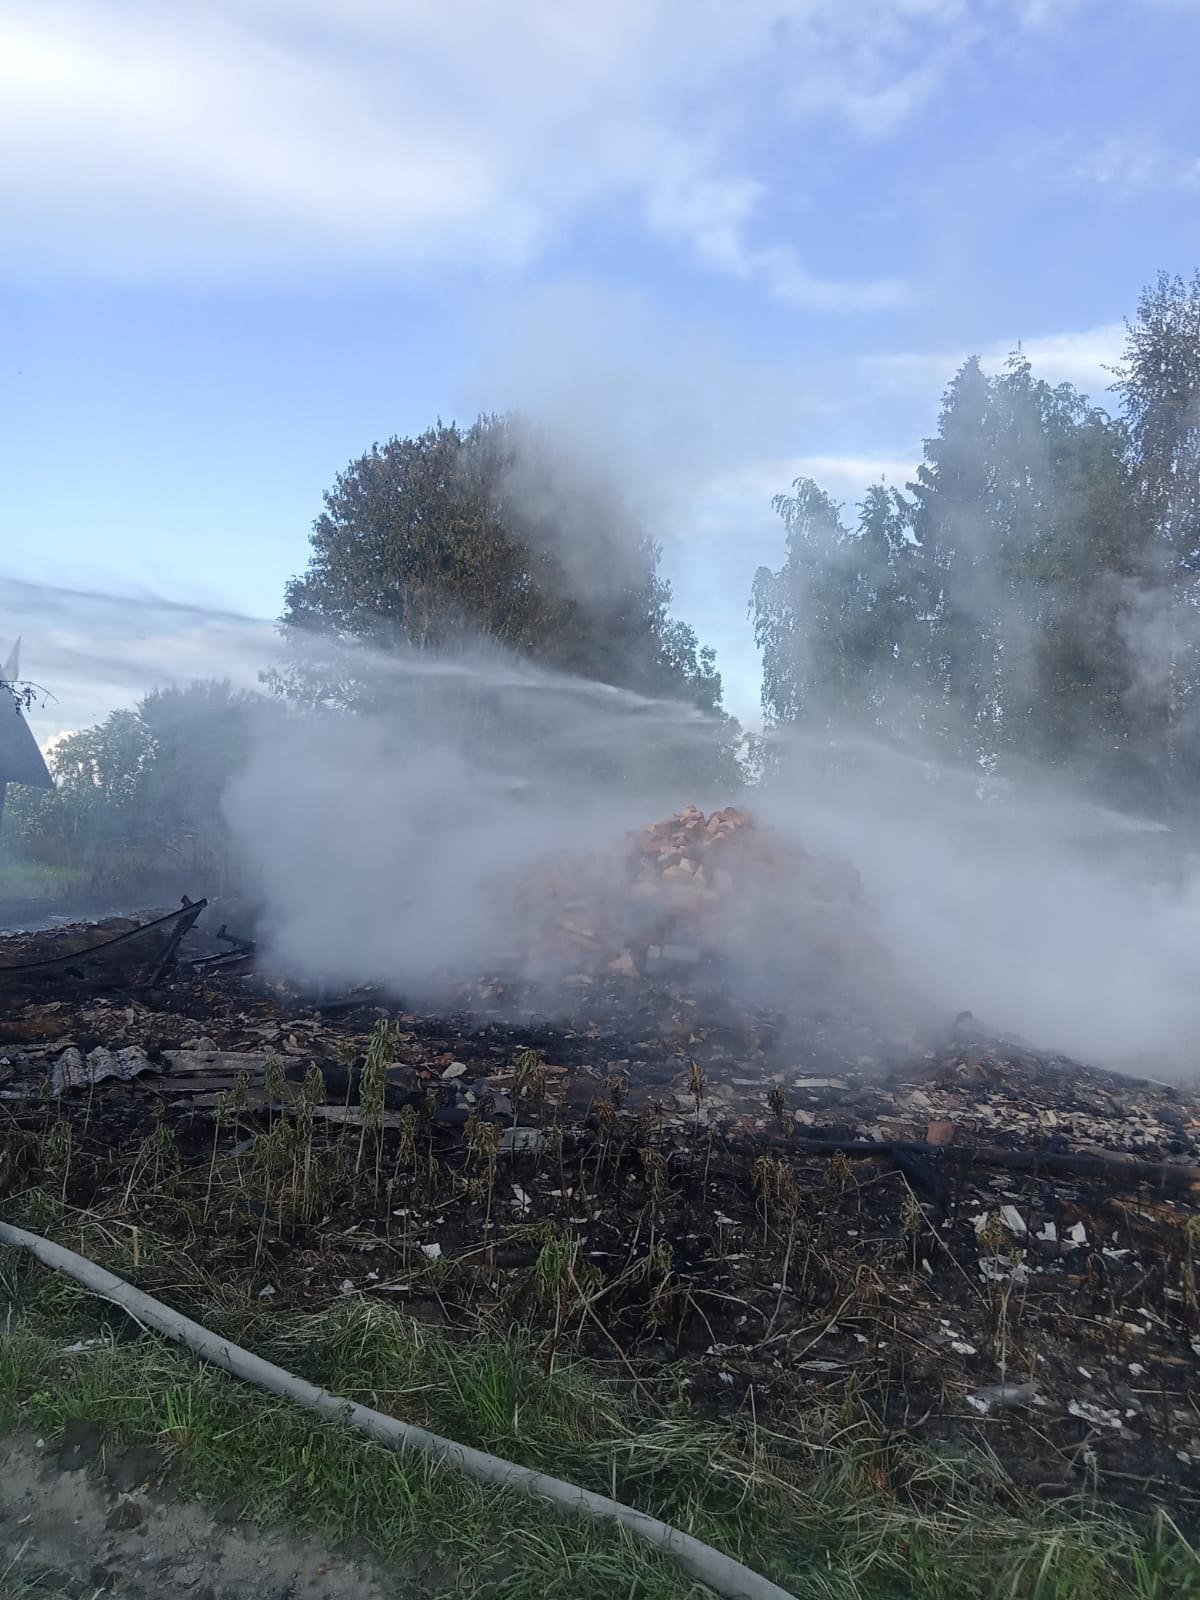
[{"x": 957, "y": 1235}]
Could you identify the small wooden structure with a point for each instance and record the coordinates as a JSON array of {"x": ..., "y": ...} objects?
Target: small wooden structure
[{"x": 20, "y": 759}]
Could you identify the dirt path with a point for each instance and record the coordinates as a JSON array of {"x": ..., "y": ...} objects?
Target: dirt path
[{"x": 67, "y": 1532}]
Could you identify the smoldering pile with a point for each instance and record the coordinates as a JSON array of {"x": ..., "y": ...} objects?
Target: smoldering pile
[{"x": 695, "y": 892}]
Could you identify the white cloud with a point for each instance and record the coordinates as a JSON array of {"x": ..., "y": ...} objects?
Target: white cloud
[
  {"x": 1038, "y": 14},
  {"x": 879, "y": 65},
  {"x": 1084, "y": 359},
  {"x": 244, "y": 135},
  {"x": 714, "y": 215},
  {"x": 1129, "y": 165},
  {"x": 847, "y": 477}
]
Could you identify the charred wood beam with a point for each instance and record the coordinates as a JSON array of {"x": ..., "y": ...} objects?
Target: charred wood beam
[
  {"x": 185, "y": 924},
  {"x": 240, "y": 949}
]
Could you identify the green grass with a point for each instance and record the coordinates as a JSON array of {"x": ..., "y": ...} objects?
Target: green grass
[
  {"x": 832, "y": 1512},
  {"x": 21, "y": 880}
]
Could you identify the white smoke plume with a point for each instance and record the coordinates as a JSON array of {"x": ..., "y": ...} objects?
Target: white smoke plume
[{"x": 385, "y": 849}]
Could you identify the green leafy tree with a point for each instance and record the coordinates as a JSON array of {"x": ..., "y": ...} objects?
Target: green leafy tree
[
  {"x": 800, "y": 613},
  {"x": 459, "y": 541},
  {"x": 1159, "y": 384},
  {"x": 842, "y": 625},
  {"x": 991, "y": 614},
  {"x": 141, "y": 791},
  {"x": 952, "y": 498}
]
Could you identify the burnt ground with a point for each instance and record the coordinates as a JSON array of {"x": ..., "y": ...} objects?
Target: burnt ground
[{"x": 957, "y": 1238}]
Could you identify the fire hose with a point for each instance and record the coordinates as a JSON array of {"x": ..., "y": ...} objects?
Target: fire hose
[{"x": 708, "y": 1566}]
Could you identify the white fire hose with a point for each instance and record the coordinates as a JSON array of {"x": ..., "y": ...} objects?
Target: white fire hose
[{"x": 719, "y": 1572}]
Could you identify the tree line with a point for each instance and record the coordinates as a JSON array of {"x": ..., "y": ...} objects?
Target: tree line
[{"x": 1030, "y": 600}]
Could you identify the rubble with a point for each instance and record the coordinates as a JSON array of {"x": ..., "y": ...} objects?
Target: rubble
[
  {"x": 98, "y": 954},
  {"x": 691, "y": 892},
  {"x": 73, "y": 1071}
]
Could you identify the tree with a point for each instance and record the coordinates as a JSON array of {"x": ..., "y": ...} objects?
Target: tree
[
  {"x": 990, "y": 614},
  {"x": 198, "y": 736},
  {"x": 951, "y": 503},
  {"x": 462, "y": 539},
  {"x": 841, "y": 625},
  {"x": 142, "y": 790},
  {"x": 1159, "y": 384},
  {"x": 426, "y": 544},
  {"x": 800, "y": 613}
]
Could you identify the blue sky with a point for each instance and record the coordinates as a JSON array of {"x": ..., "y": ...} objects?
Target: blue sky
[{"x": 725, "y": 244}]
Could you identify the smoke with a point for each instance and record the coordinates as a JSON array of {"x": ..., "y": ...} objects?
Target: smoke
[
  {"x": 383, "y": 854},
  {"x": 1054, "y": 920},
  {"x": 392, "y": 848},
  {"x": 567, "y": 502},
  {"x": 94, "y": 650},
  {"x": 658, "y": 422}
]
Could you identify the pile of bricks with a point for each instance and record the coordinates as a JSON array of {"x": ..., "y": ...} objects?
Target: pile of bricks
[{"x": 685, "y": 888}]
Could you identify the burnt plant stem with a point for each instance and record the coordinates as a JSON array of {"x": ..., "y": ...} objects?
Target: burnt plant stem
[{"x": 218, "y": 1123}]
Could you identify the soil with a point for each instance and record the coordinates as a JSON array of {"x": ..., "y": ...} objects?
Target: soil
[
  {"x": 78, "y": 1532},
  {"x": 955, "y": 1236}
]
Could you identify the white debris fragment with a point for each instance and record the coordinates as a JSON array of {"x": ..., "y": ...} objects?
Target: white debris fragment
[
  {"x": 1095, "y": 1415},
  {"x": 1003, "y": 1269},
  {"x": 522, "y": 1141},
  {"x": 1076, "y": 1234},
  {"x": 1013, "y": 1221},
  {"x": 432, "y": 1251},
  {"x": 999, "y": 1396},
  {"x": 456, "y": 1069},
  {"x": 72, "y": 1071}
]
